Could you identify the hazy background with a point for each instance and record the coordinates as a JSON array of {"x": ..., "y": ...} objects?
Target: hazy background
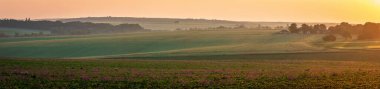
[{"x": 356, "y": 11}]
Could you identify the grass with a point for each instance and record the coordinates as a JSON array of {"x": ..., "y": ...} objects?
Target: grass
[
  {"x": 255, "y": 59},
  {"x": 12, "y": 31},
  {"x": 174, "y": 43},
  {"x": 354, "y": 45}
]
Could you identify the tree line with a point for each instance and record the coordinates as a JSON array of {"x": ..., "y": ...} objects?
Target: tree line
[
  {"x": 308, "y": 29},
  {"x": 367, "y": 31},
  {"x": 69, "y": 28}
]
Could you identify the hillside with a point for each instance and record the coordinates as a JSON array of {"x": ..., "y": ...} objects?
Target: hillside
[
  {"x": 175, "y": 23},
  {"x": 161, "y": 43},
  {"x": 67, "y": 28},
  {"x": 12, "y": 31}
]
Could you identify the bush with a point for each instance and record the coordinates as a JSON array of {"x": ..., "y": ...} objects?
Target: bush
[
  {"x": 329, "y": 38},
  {"x": 363, "y": 37},
  {"x": 368, "y": 37}
]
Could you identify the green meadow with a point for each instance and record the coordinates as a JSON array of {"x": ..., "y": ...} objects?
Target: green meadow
[
  {"x": 238, "y": 58},
  {"x": 12, "y": 31},
  {"x": 159, "y": 43}
]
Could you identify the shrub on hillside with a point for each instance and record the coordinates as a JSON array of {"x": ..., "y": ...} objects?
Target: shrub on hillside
[
  {"x": 368, "y": 37},
  {"x": 329, "y": 38},
  {"x": 364, "y": 37}
]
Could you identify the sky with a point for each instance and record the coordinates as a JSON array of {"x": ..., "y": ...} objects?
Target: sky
[{"x": 354, "y": 11}]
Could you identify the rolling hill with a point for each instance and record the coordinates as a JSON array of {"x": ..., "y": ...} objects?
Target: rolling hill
[
  {"x": 12, "y": 31},
  {"x": 177, "y": 23},
  {"x": 160, "y": 43}
]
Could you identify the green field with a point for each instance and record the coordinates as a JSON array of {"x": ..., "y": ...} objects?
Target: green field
[
  {"x": 12, "y": 31},
  {"x": 161, "y": 43},
  {"x": 187, "y": 59}
]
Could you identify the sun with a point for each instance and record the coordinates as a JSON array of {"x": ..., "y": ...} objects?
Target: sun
[{"x": 377, "y": 1}]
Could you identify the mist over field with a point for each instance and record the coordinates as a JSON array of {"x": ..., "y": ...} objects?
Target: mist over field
[
  {"x": 207, "y": 44},
  {"x": 178, "y": 23}
]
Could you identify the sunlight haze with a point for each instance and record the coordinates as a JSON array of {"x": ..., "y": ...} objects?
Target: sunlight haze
[
  {"x": 355, "y": 11},
  {"x": 189, "y": 44}
]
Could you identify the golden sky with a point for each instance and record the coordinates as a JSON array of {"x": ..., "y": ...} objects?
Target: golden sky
[{"x": 356, "y": 11}]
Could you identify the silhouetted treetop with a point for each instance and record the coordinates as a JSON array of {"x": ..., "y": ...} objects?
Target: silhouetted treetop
[
  {"x": 60, "y": 28},
  {"x": 368, "y": 31}
]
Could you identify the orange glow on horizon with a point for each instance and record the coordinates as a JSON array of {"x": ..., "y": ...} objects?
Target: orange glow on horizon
[{"x": 357, "y": 11}]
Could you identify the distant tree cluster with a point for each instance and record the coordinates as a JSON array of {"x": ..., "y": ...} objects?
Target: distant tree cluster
[
  {"x": 263, "y": 27},
  {"x": 69, "y": 28},
  {"x": 368, "y": 31},
  {"x": 329, "y": 38},
  {"x": 308, "y": 29},
  {"x": 239, "y": 26}
]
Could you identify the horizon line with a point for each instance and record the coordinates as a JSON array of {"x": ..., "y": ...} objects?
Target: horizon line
[{"x": 57, "y": 18}]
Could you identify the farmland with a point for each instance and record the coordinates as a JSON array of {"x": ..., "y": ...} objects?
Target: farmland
[
  {"x": 161, "y": 43},
  {"x": 187, "y": 59},
  {"x": 240, "y": 71},
  {"x": 190, "y": 44},
  {"x": 12, "y": 31}
]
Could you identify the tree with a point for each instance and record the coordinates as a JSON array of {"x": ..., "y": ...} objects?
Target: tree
[
  {"x": 358, "y": 29},
  {"x": 293, "y": 28},
  {"x": 322, "y": 28},
  {"x": 283, "y": 32},
  {"x": 69, "y": 28},
  {"x": 176, "y": 22},
  {"x": 345, "y": 27},
  {"x": 305, "y": 28},
  {"x": 370, "y": 31},
  {"x": 279, "y": 27},
  {"x": 240, "y": 26},
  {"x": 329, "y": 38},
  {"x": 315, "y": 29},
  {"x": 319, "y": 28},
  {"x": 346, "y": 35}
]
